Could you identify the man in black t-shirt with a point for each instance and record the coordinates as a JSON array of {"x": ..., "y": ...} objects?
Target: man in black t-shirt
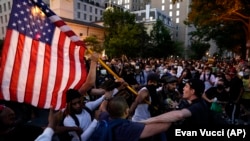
[{"x": 196, "y": 114}]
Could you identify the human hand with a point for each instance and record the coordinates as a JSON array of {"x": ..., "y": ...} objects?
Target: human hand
[
  {"x": 52, "y": 119},
  {"x": 94, "y": 57},
  {"x": 78, "y": 130}
]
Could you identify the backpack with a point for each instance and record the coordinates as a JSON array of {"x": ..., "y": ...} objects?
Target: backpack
[{"x": 104, "y": 130}]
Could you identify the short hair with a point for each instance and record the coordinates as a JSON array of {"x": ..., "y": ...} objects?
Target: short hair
[
  {"x": 72, "y": 94},
  {"x": 198, "y": 85},
  {"x": 117, "y": 106}
]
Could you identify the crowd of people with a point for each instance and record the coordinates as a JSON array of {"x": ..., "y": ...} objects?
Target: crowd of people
[{"x": 170, "y": 93}]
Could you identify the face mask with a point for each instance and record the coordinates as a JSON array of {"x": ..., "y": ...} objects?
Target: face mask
[{"x": 152, "y": 89}]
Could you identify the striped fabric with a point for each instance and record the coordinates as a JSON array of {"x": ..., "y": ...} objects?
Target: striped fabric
[{"x": 41, "y": 58}]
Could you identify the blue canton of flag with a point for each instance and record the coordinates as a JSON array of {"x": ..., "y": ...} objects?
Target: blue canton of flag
[{"x": 31, "y": 21}]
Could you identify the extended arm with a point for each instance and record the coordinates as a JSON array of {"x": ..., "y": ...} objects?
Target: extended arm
[
  {"x": 153, "y": 129},
  {"x": 171, "y": 116}
]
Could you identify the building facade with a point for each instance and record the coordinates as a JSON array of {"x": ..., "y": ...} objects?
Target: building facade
[
  {"x": 78, "y": 14},
  {"x": 149, "y": 16},
  {"x": 5, "y": 8}
]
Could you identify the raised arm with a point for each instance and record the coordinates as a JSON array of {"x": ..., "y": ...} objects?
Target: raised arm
[
  {"x": 91, "y": 78},
  {"x": 139, "y": 99}
]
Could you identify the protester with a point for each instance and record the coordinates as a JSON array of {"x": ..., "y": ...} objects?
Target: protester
[
  {"x": 196, "y": 113},
  {"x": 118, "y": 109},
  {"x": 140, "y": 110},
  {"x": 11, "y": 131},
  {"x": 169, "y": 95}
]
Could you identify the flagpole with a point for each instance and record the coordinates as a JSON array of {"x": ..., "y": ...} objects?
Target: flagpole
[{"x": 116, "y": 76}]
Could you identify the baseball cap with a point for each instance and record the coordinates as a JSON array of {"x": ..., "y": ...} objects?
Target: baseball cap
[{"x": 168, "y": 79}]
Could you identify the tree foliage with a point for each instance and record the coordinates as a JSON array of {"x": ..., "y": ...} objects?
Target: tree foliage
[
  {"x": 123, "y": 35},
  {"x": 161, "y": 41},
  {"x": 93, "y": 43},
  {"x": 222, "y": 20},
  {"x": 198, "y": 49}
]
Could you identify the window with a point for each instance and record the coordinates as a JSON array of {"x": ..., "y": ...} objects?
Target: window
[
  {"x": 0, "y": 8},
  {"x": 96, "y": 18},
  {"x": 78, "y": 6},
  {"x": 90, "y": 9},
  {"x": 78, "y": 15},
  {"x": 177, "y": 20},
  {"x": 96, "y": 11},
  {"x": 1, "y": 18},
  {"x": 6, "y": 20},
  {"x": 84, "y": 16},
  {"x": 100, "y": 12},
  {"x": 9, "y": 6},
  {"x": 2, "y": 30},
  {"x": 170, "y": 13},
  {"x": 163, "y": 7},
  {"x": 162, "y": 1},
  {"x": 4, "y": 7},
  {"x": 178, "y": 5},
  {"x": 171, "y": 6},
  {"x": 84, "y": 7},
  {"x": 90, "y": 18},
  {"x": 177, "y": 13}
]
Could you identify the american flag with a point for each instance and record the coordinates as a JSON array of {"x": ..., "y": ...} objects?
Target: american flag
[{"x": 41, "y": 58}]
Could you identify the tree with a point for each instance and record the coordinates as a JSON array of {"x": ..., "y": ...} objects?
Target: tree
[
  {"x": 93, "y": 43},
  {"x": 161, "y": 41},
  {"x": 217, "y": 15},
  {"x": 123, "y": 36},
  {"x": 198, "y": 49}
]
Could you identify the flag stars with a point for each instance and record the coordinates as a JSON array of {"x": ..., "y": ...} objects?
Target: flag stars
[
  {"x": 19, "y": 21},
  {"x": 18, "y": 5},
  {"x": 28, "y": 10},
  {"x": 25, "y": 19},
  {"x": 14, "y": 24},
  {"x": 22, "y": 28},
  {"x": 22, "y": 12},
  {"x": 24, "y": 3},
  {"x": 36, "y": 30},
  {"x": 28, "y": 26},
  {"x": 47, "y": 10},
  {"x": 16, "y": 15}
]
